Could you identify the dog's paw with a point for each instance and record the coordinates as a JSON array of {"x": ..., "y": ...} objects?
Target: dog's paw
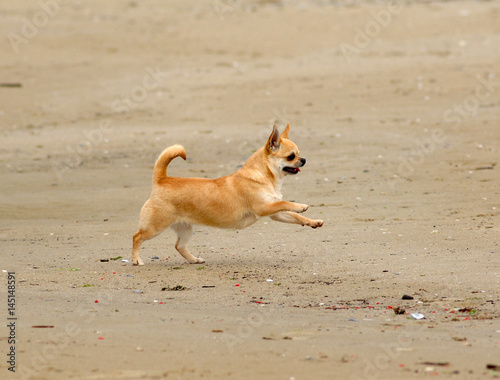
[
  {"x": 316, "y": 223},
  {"x": 138, "y": 262},
  {"x": 197, "y": 260},
  {"x": 299, "y": 207}
]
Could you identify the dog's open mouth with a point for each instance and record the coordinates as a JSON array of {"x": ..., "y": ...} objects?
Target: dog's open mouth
[{"x": 291, "y": 170}]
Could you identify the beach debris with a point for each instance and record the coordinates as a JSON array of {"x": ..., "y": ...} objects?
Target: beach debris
[
  {"x": 437, "y": 364},
  {"x": 407, "y": 297},
  {"x": 42, "y": 327},
  {"x": 155, "y": 258},
  {"x": 493, "y": 367},
  {"x": 125, "y": 261},
  {"x": 417, "y": 316},
  {"x": 208, "y": 286},
  {"x": 174, "y": 288},
  {"x": 137, "y": 291},
  {"x": 399, "y": 310},
  {"x": 116, "y": 258},
  {"x": 217, "y": 331},
  {"x": 104, "y": 260},
  {"x": 11, "y": 85},
  {"x": 269, "y": 280}
]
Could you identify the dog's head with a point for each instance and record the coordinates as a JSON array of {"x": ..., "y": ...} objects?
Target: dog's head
[{"x": 283, "y": 154}]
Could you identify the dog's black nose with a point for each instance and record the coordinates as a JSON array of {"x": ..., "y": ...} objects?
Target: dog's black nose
[{"x": 303, "y": 161}]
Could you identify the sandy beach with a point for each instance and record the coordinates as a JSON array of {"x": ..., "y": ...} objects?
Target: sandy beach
[{"x": 396, "y": 108}]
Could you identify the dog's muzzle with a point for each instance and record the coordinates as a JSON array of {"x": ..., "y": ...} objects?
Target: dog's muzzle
[{"x": 295, "y": 169}]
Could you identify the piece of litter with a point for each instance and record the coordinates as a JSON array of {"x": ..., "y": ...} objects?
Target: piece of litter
[
  {"x": 138, "y": 291},
  {"x": 155, "y": 258},
  {"x": 494, "y": 367},
  {"x": 101, "y": 338},
  {"x": 352, "y": 320},
  {"x": 129, "y": 275},
  {"x": 438, "y": 364},
  {"x": 106, "y": 234},
  {"x": 125, "y": 261},
  {"x": 417, "y": 316},
  {"x": 269, "y": 280},
  {"x": 174, "y": 288}
]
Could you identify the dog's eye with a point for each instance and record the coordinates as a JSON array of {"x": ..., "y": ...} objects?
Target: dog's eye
[{"x": 291, "y": 157}]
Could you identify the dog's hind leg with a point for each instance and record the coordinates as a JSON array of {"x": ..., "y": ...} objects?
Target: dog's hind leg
[
  {"x": 149, "y": 227},
  {"x": 184, "y": 232}
]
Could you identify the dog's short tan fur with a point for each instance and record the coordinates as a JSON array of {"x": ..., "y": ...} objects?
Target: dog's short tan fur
[{"x": 234, "y": 201}]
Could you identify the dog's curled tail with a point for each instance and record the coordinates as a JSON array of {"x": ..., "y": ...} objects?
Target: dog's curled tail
[{"x": 160, "y": 170}]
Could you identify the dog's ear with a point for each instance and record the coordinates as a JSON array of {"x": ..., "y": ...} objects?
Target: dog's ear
[
  {"x": 273, "y": 142},
  {"x": 284, "y": 134}
]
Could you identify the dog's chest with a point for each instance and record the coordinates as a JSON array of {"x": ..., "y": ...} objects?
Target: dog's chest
[
  {"x": 246, "y": 220},
  {"x": 272, "y": 197}
]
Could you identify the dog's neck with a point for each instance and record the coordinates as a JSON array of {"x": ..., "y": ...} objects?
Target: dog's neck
[{"x": 259, "y": 169}]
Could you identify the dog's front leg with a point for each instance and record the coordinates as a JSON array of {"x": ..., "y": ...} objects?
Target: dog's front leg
[
  {"x": 292, "y": 217},
  {"x": 275, "y": 207}
]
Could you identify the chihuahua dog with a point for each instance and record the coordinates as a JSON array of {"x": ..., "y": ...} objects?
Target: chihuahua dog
[{"x": 234, "y": 201}]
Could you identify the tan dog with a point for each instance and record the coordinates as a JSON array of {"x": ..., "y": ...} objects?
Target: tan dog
[{"x": 234, "y": 201}]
